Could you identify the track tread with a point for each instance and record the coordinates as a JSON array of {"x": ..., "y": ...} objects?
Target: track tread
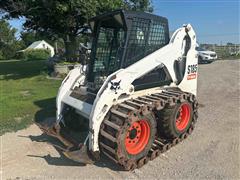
[
  {"x": 119, "y": 113},
  {"x": 108, "y": 148},
  {"x": 127, "y": 107},
  {"x": 108, "y": 136},
  {"x": 133, "y": 104},
  {"x": 111, "y": 124},
  {"x": 156, "y": 102}
]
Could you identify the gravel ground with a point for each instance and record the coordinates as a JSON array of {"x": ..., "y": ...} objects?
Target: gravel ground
[{"x": 211, "y": 152}]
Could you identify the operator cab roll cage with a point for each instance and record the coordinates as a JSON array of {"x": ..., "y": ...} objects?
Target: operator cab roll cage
[{"x": 121, "y": 38}]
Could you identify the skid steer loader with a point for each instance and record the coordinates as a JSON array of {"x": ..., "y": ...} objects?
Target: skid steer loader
[{"x": 137, "y": 94}]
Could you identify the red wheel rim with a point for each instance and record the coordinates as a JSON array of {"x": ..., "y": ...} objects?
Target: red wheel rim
[
  {"x": 137, "y": 137},
  {"x": 183, "y": 117}
]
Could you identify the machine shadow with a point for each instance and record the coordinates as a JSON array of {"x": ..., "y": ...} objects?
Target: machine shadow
[
  {"x": 47, "y": 112},
  {"x": 47, "y": 109},
  {"x": 62, "y": 160},
  {"x": 51, "y": 160}
]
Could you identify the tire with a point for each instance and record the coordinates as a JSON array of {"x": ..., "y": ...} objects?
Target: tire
[
  {"x": 124, "y": 150},
  {"x": 209, "y": 62},
  {"x": 200, "y": 61},
  {"x": 171, "y": 123},
  {"x": 144, "y": 139}
]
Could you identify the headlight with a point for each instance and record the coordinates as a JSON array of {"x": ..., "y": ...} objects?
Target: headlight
[{"x": 205, "y": 54}]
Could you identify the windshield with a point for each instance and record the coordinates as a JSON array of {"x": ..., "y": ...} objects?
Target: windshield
[
  {"x": 200, "y": 49},
  {"x": 108, "y": 53}
]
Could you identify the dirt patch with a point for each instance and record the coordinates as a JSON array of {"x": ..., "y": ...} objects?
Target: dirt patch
[
  {"x": 18, "y": 119},
  {"x": 25, "y": 93}
]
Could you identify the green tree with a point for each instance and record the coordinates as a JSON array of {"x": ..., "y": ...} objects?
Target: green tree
[
  {"x": 8, "y": 43},
  {"x": 28, "y": 37},
  {"x": 65, "y": 19},
  {"x": 138, "y": 5},
  {"x": 7, "y": 33}
]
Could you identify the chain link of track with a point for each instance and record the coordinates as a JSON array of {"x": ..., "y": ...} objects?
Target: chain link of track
[{"x": 124, "y": 113}]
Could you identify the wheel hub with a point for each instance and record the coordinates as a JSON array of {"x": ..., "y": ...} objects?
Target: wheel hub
[
  {"x": 133, "y": 134},
  {"x": 183, "y": 117},
  {"x": 137, "y": 136}
]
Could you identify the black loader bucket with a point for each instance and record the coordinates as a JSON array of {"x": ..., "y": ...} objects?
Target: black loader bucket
[{"x": 71, "y": 148}]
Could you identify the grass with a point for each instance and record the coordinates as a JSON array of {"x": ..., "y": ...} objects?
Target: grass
[
  {"x": 231, "y": 57},
  {"x": 26, "y": 94},
  {"x": 224, "y": 53}
]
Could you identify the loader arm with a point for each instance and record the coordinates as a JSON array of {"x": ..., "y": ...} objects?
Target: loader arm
[
  {"x": 119, "y": 83},
  {"x": 75, "y": 77}
]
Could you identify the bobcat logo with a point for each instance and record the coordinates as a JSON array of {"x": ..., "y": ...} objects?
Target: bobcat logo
[{"x": 115, "y": 86}]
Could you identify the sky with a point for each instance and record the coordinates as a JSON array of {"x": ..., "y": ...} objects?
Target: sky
[{"x": 214, "y": 21}]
